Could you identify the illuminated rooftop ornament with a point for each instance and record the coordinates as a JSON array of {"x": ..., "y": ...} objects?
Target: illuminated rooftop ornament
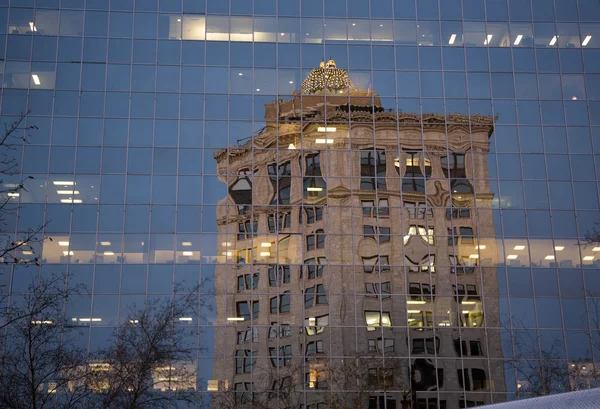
[{"x": 327, "y": 79}]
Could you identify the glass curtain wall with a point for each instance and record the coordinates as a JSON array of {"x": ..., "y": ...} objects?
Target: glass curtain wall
[{"x": 386, "y": 201}]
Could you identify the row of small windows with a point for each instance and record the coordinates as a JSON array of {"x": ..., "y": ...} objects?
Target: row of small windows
[
  {"x": 429, "y": 346},
  {"x": 373, "y": 170}
]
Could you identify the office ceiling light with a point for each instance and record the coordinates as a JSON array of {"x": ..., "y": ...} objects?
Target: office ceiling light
[
  {"x": 549, "y": 257},
  {"x": 71, "y": 200},
  {"x": 109, "y": 253},
  {"x": 265, "y": 253},
  {"x": 105, "y": 243},
  {"x": 185, "y": 319},
  {"x": 519, "y": 248},
  {"x": 469, "y": 302},
  {"x": 235, "y": 318},
  {"x": 291, "y": 82},
  {"x": 63, "y": 243},
  {"x": 63, "y": 182},
  {"x": 12, "y": 194},
  {"x": 324, "y": 141},
  {"x": 240, "y": 74},
  {"x": 314, "y": 189},
  {"x": 596, "y": 249},
  {"x": 553, "y": 41},
  {"x": 473, "y": 255},
  {"x": 187, "y": 243},
  {"x": 326, "y": 129},
  {"x": 559, "y": 248},
  {"x": 588, "y": 258},
  {"x": 27, "y": 252},
  {"x": 518, "y": 39},
  {"x": 188, "y": 253},
  {"x": 265, "y": 244},
  {"x": 452, "y": 39},
  {"x": 512, "y": 257},
  {"x": 68, "y": 253},
  {"x": 586, "y": 40},
  {"x": 480, "y": 247},
  {"x": 67, "y": 192},
  {"x": 415, "y": 302},
  {"x": 257, "y": 89},
  {"x": 36, "y": 79},
  {"x": 413, "y": 311}
]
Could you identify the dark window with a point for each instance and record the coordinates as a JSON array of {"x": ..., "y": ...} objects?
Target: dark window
[
  {"x": 279, "y": 274},
  {"x": 281, "y": 303},
  {"x": 316, "y": 240},
  {"x": 458, "y": 213},
  {"x": 313, "y": 348},
  {"x": 312, "y": 214},
  {"x": 279, "y": 330},
  {"x": 247, "y": 229},
  {"x": 382, "y": 402},
  {"x": 244, "y": 361},
  {"x": 247, "y": 282},
  {"x": 453, "y": 167},
  {"x": 421, "y": 292},
  {"x": 247, "y": 336},
  {"x": 372, "y": 169},
  {"x": 279, "y": 222},
  {"x": 426, "y": 345},
  {"x": 477, "y": 380},
  {"x": 281, "y": 356},
  {"x": 382, "y": 290},
  {"x": 309, "y": 296},
  {"x": 243, "y": 309},
  {"x": 281, "y": 180},
  {"x": 430, "y": 403},
  {"x": 313, "y": 268},
  {"x": 475, "y": 348}
]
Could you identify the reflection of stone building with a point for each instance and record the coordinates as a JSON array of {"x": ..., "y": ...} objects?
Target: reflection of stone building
[{"x": 350, "y": 230}]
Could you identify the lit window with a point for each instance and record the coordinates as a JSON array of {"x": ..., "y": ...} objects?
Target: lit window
[{"x": 375, "y": 319}]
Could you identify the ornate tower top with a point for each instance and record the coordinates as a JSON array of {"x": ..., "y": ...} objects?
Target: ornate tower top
[{"x": 327, "y": 79}]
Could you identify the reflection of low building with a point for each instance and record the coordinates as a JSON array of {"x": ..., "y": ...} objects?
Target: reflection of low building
[
  {"x": 352, "y": 230},
  {"x": 582, "y": 375}
]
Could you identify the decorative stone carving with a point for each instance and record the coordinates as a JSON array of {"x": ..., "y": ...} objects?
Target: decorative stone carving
[{"x": 440, "y": 197}]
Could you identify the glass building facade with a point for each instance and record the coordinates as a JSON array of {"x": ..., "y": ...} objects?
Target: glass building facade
[{"x": 385, "y": 201}]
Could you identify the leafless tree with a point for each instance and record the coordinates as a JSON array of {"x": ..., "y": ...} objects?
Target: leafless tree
[
  {"x": 540, "y": 370},
  {"x": 273, "y": 388},
  {"x": 353, "y": 381},
  {"x": 153, "y": 361},
  {"x": 12, "y": 185},
  {"x": 39, "y": 362}
]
